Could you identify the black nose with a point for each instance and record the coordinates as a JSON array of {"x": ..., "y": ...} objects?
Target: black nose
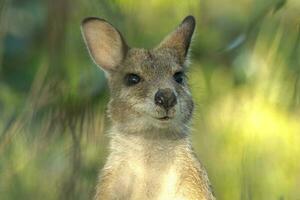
[{"x": 165, "y": 98}]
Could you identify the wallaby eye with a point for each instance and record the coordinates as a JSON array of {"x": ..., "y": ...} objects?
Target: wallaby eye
[
  {"x": 132, "y": 79},
  {"x": 179, "y": 77}
]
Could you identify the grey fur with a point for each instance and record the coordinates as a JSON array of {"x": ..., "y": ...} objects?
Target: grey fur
[{"x": 150, "y": 158}]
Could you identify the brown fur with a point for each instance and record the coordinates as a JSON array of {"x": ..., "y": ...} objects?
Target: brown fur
[{"x": 149, "y": 158}]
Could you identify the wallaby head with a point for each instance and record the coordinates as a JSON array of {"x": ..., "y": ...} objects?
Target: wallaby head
[{"x": 149, "y": 88}]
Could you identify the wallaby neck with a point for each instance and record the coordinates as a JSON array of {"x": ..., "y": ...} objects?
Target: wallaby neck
[
  {"x": 154, "y": 134},
  {"x": 151, "y": 142}
]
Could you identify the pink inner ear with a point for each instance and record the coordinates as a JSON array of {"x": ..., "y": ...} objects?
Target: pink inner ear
[
  {"x": 108, "y": 50},
  {"x": 105, "y": 43}
]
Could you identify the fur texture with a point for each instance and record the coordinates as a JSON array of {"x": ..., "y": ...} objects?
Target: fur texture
[{"x": 150, "y": 152}]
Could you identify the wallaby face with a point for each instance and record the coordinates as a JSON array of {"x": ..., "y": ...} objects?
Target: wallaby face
[{"x": 148, "y": 87}]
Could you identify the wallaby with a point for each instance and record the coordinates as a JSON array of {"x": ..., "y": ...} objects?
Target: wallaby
[{"x": 150, "y": 108}]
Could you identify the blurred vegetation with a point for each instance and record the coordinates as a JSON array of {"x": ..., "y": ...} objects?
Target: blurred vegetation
[{"x": 244, "y": 77}]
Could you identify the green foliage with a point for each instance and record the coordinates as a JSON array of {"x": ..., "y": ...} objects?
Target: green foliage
[{"x": 244, "y": 78}]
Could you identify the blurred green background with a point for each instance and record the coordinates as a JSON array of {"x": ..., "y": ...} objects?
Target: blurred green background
[{"x": 245, "y": 79}]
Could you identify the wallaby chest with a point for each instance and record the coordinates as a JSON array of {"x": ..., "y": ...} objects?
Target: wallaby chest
[{"x": 146, "y": 170}]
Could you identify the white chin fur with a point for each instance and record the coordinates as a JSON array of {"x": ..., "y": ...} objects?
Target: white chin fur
[{"x": 148, "y": 123}]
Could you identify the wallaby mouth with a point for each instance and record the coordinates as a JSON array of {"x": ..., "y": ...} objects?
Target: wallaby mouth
[{"x": 165, "y": 118}]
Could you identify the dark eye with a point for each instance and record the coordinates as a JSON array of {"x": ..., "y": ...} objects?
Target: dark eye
[
  {"x": 179, "y": 77},
  {"x": 132, "y": 79}
]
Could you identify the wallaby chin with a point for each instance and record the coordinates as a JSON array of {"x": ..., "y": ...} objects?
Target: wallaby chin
[{"x": 150, "y": 108}]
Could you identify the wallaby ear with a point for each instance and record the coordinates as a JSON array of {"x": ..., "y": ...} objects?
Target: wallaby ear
[
  {"x": 105, "y": 43},
  {"x": 180, "y": 39}
]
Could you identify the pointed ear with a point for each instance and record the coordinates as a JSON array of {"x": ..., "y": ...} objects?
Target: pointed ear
[
  {"x": 180, "y": 39},
  {"x": 105, "y": 43}
]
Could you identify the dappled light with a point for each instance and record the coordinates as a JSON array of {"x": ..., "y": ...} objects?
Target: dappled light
[{"x": 244, "y": 75}]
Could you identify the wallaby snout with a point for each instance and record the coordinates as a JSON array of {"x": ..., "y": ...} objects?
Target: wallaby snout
[{"x": 165, "y": 98}]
